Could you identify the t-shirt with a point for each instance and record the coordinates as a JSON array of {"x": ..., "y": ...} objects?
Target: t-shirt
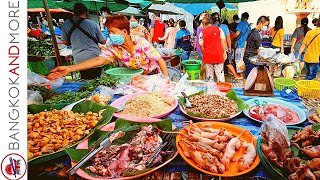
[
  {"x": 244, "y": 29},
  {"x": 201, "y": 43},
  {"x": 253, "y": 43},
  {"x": 225, "y": 30},
  {"x": 83, "y": 48},
  {"x": 199, "y": 29},
  {"x": 299, "y": 35},
  {"x": 276, "y": 37},
  {"x": 145, "y": 56},
  {"x": 313, "y": 51}
]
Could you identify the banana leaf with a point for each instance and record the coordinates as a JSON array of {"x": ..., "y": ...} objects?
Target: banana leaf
[
  {"x": 80, "y": 108},
  {"x": 230, "y": 95},
  {"x": 130, "y": 128},
  {"x": 37, "y": 108}
]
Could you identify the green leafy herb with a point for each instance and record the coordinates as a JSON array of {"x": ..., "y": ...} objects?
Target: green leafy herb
[
  {"x": 66, "y": 97},
  {"x": 45, "y": 93},
  {"x": 104, "y": 80},
  {"x": 40, "y": 48}
]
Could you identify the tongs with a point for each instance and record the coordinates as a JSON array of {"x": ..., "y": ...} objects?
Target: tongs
[{"x": 98, "y": 147}]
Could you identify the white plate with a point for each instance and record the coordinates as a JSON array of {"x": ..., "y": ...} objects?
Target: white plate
[
  {"x": 251, "y": 78},
  {"x": 70, "y": 106}
]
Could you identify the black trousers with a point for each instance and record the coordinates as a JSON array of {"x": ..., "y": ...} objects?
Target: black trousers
[{"x": 91, "y": 73}]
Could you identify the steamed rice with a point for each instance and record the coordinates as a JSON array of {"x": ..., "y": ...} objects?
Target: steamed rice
[{"x": 148, "y": 105}]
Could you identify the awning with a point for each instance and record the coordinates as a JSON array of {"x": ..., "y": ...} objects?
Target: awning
[
  {"x": 198, "y": 8},
  {"x": 59, "y": 10}
]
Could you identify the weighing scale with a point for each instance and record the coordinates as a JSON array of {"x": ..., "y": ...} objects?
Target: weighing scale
[{"x": 259, "y": 81}]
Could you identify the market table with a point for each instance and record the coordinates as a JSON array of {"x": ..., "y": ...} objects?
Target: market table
[{"x": 178, "y": 168}]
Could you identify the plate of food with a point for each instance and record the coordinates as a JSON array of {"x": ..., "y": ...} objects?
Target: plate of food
[
  {"x": 314, "y": 115},
  {"x": 126, "y": 157},
  {"x": 290, "y": 152},
  {"x": 212, "y": 107},
  {"x": 287, "y": 112},
  {"x": 51, "y": 132},
  {"x": 145, "y": 105},
  {"x": 218, "y": 148}
]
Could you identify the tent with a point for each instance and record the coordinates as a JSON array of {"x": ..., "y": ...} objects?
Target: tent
[
  {"x": 131, "y": 11},
  {"x": 198, "y": 8},
  {"x": 207, "y": 1}
]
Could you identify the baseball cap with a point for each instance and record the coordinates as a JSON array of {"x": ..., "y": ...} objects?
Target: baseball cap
[{"x": 202, "y": 16}]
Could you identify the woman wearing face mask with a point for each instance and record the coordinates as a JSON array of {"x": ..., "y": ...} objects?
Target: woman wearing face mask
[
  {"x": 45, "y": 28},
  {"x": 170, "y": 35},
  {"x": 132, "y": 52},
  {"x": 137, "y": 29}
]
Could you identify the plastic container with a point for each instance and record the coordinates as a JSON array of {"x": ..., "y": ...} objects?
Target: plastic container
[
  {"x": 309, "y": 89},
  {"x": 192, "y": 64},
  {"x": 224, "y": 86},
  {"x": 124, "y": 74},
  {"x": 281, "y": 83}
]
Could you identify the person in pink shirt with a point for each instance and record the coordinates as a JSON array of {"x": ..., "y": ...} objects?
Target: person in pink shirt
[{"x": 170, "y": 35}]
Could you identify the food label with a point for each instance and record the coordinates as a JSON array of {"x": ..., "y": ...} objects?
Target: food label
[{"x": 260, "y": 87}]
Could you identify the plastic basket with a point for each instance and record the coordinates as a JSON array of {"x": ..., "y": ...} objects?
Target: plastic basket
[
  {"x": 224, "y": 86},
  {"x": 124, "y": 74},
  {"x": 192, "y": 64},
  {"x": 309, "y": 89},
  {"x": 281, "y": 83}
]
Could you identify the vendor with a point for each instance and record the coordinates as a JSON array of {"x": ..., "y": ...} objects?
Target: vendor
[
  {"x": 132, "y": 52},
  {"x": 46, "y": 30}
]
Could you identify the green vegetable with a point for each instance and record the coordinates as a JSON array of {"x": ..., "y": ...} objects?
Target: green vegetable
[
  {"x": 66, "y": 97},
  {"x": 240, "y": 103},
  {"x": 104, "y": 80},
  {"x": 45, "y": 93},
  {"x": 40, "y": 48}
]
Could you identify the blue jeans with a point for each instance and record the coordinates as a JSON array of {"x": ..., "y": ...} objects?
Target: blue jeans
[
  {"x": 249, "y": 67},
  {"x": 185, "y": 55},
  {"x": 200, "y": 54},
  {"x": 312, "y": 70},
  {"x": 301, "y": 58}
]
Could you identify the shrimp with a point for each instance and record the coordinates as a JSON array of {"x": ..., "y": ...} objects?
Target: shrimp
[
  {"x": 231, "y": 147},
  {"x": 247, "y": 159}
]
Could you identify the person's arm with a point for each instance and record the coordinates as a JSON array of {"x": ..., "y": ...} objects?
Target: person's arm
[
  {"x": 201, "y": 42},
  {"x": 245, "y": 46},
  {"x": 163, "y": 67},
  {"x": 165, "y": 35},
  {"x": 294, "y": 40},
  {"x": 151, "y": 35},
  {"x": 229, "y": 42},
  {"x": 177, "y": 41},
  {"x": 223, "y": 43},
  {"x": 301, "y": 50}
]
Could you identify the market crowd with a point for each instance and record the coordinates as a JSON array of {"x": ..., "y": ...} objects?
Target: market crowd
[{"x": 130, "y": 42}]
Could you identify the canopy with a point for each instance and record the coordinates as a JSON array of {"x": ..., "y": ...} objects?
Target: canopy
[
  {"x": 58, "y": 10},
  {"x": 131, "y": 11},
  {"x": 163, "y": 9},
  {"x": 207, "y": 1},
  {"x": 195, "y": 9},
  {"x": 39, "y": 4}
]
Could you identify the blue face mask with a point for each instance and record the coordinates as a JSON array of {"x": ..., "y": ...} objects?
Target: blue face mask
[
  {"x": 133, "y": 24},
  {"x": 116, "y": 39},
  {"x": 264, "y": 28}
]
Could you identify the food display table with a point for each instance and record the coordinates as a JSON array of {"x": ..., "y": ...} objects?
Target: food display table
[{"x": 178, "y": 168}]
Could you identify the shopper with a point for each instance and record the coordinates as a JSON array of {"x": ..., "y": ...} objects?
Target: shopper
[
  {"x": 105, "y": 12},
  {"x": 254, "y": 42},
  {"x": 170, "y": 35},
  {"x": 277, "y": 43},
  {"x": 183, "y": 40},
  {"x": 234, "y": 24},
  {"x": 213, "y": 44},
  {"x": 137, "y": 29},
  {"x": 199, "y": 29},
  {"x": 243, "y": 30},
  {"x": 217, "y": 22},
  {"x": 311, "y": 46},
  {"x": 132, "y": 52},
  {"x": 157, "y": 29},
  {"x": 45, "y": 28},
  {"x": 297, "y": 39},
  {"x": 315, "y": 21},
  {"x": 83, "y": 35}
]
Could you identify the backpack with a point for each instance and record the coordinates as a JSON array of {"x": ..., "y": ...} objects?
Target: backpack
[{"x": 185, "y": 43}]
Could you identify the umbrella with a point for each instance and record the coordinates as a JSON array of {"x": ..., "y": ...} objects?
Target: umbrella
[
  {"x": 198, "y": 8},
  {"x": 95, "y": 5},
  {"x": 58, "y": 10},
  {"x": 131, "y": 11},
  {"x": 207, "y": 1},
  {"x": 162, "y": 9},
  {"x": 39, "y": 4}
]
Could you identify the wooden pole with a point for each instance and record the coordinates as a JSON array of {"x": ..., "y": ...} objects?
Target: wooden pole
[{"x": 53, "y": 37}]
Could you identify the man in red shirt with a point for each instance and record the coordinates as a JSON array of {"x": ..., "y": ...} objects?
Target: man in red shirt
[
  {"x": 157, "y": 29},
  {"x": 213, "y": 46}
]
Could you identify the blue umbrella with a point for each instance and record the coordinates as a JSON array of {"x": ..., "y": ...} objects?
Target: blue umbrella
[{"x": 198, "y": 8}]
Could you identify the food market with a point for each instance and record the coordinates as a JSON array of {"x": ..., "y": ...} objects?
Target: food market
[{"x": 179, "y": 97}]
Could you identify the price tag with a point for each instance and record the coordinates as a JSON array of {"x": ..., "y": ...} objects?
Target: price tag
[{"x": 260, "y": 86}]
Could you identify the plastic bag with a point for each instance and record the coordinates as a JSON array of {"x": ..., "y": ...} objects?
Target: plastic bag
[
  {"x": 275, "y": 130},
  {"x": 292, "y": 57},
  {"x": 34, "y": 97},
  {"x": 151, "y": 83},
  {"x": 288, "y": 72},
  {"x": 240, "y": 66},
  {"x": 297, "y": 70},
  {"x": 267, "y": 53},
  {"x": 282, "y": 59},
  {"x": 34, "y": 78},
  {"x": 183, "y": 85},
  {"x": 101, "y": 95}
]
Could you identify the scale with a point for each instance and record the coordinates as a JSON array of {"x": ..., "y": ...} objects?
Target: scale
[{"x": 259, "y": 81}]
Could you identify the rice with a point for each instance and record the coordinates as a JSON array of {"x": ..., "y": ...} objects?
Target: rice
[{"x": 148, "y": 105}]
